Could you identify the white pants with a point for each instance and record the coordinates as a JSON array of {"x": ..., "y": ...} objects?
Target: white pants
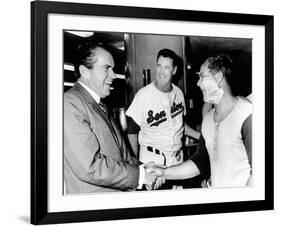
[{"x": 163, "y": 158}]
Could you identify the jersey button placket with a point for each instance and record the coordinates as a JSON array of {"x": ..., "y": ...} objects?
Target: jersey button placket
[
  {"x": 216, "y": 156},
  {"x": 169, "y": 118}
]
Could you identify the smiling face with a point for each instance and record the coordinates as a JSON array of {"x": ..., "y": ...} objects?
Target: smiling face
[
  {"x": 164, "y": 73},
  {"x": 205, "y": 78},
  {"x": 209, "y": 86},
  {"x": 100, "y": 77}
]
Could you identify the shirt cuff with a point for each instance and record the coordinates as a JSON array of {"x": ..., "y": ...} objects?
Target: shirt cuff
[{"x": 141, "y": 176}]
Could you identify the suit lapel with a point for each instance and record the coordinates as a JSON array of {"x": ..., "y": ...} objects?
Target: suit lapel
[{"x": 97, "y": 109}]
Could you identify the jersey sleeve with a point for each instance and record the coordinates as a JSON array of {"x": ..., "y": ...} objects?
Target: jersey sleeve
[
  {"x": 246, "y": 132},
  {"x": 201, "y": 158},
  {"x": 133, "y": 127}
]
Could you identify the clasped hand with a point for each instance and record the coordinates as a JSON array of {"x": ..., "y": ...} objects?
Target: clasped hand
[{"x": 154, "y": 176}]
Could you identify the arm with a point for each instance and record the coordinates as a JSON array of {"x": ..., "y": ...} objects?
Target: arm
[
  {"x": 85, "y": 156},
  {"x": 191, "y": 132},
  {"x": 198, "y": 163},
  {"x": 185, "y": 170},
  {"x": 246, "y": 132}
]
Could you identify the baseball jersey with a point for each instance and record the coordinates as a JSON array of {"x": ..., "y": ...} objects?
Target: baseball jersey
[
  {"x": 228, "y": 157},
  {"x": 160, "y": 117}
]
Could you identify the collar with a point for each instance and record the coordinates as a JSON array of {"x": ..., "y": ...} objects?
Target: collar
[{"x": 91, "y": 92}]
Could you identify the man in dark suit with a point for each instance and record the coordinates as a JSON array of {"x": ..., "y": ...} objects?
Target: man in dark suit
[{"x": 96, "y": 158}]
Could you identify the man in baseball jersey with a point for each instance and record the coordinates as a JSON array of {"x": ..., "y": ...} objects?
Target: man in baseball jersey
[{"x": 158, "y": 111}]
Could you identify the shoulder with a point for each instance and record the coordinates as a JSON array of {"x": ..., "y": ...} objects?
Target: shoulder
[
  {"x": 72, "y": 97},
  {"x": 241, "y": 112},
  {"x": 71, "y": 93},
  {"x": 178, "y": 91},
  {"x": 244, "y": 105},
  {"x": 244, "y": 101},
  {"x": 149, "y": 87},
  {"x": 145, "y": 91},
  {"x": 250, "y": 97}
]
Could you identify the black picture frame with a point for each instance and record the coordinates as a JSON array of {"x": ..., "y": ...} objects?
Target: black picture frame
[{"x": 39, "y": 112}]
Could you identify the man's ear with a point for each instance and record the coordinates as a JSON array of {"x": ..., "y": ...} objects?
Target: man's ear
[
  {"x": 84, "y": 72},
  {"x": 175, "y": 70},
  {"x": 219, "y": 77}
]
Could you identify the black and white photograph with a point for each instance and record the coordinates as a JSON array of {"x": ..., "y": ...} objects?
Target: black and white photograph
[
  {"x": 123, "y": 113},
  {"x": 148, "y": 112}
]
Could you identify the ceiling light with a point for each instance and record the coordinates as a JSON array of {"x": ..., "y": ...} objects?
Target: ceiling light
[{"x": 84, "y": 34}]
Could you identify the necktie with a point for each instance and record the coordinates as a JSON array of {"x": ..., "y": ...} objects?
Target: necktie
[{"x": 105, "y": 110}]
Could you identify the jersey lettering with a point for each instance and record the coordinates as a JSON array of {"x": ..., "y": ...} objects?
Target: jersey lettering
[
  {"x": 159, "y": 118},
  {"x": 176, "y": 109}
]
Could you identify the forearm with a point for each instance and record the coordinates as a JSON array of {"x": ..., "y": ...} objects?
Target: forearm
[
  {"x": 185, "y": 170},
  {"x": 191, "y": 132},
  {"x": 108, "y": 172}
]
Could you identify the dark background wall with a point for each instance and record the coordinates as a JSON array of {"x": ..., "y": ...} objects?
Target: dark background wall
[{"x": 134, "y": 52}]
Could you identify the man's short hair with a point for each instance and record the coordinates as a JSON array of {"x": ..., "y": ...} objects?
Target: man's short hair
[
  {"x": 220, "y": 63},
  {"x": 86, "y": 55},
  {"x": 170, "y": 54}
]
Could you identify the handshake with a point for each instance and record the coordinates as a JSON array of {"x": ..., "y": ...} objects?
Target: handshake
[{"x": 154, "y": 176}]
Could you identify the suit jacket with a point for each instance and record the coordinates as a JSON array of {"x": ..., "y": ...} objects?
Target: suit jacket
[{"x": 95, "y": 155}]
